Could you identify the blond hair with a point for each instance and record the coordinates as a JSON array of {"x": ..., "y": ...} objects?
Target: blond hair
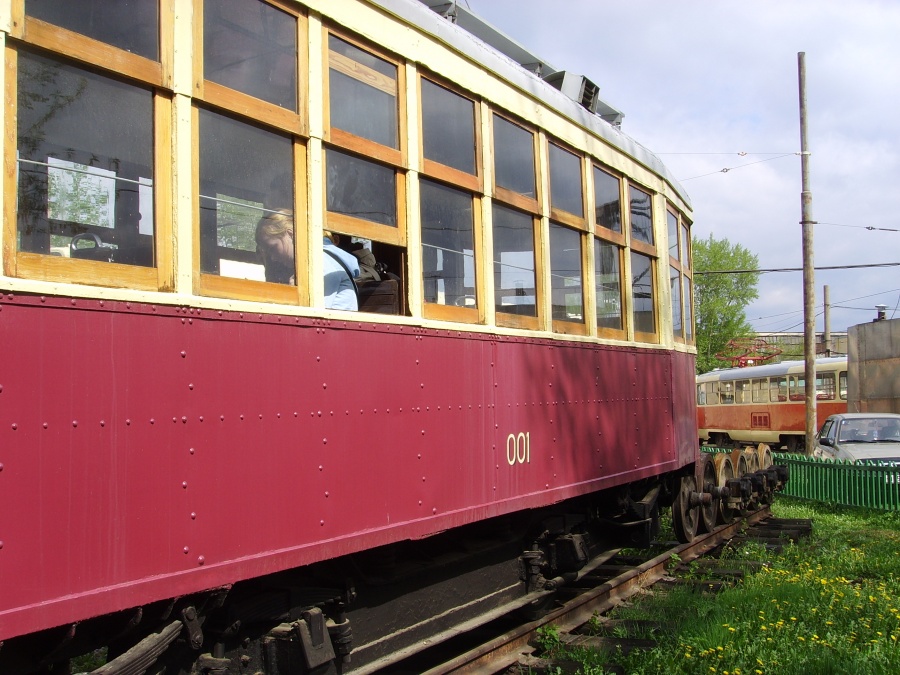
[{"x": 274, "y": 225}]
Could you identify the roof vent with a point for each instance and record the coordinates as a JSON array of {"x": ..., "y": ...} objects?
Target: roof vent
[
  {"x": 576, "y": 87},
  {"x": 585, "y": 93}
]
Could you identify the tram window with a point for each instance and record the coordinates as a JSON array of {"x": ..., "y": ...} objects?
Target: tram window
[
  {"x": 712, "y": 393},
  {"x": 701, "y": 394},
  {"x": 251, "y": 46},
  {"x": 565, "y": 181},
  {"x": 778, "y": 389},
  {"x": 85, "y": 164},
  {"x": 608, "y": 200},
  {"x": 515, "y": 289},
  {"x": 672, "y": 224},
  {"x": 796, "y": 388},
  {"x": 360, "y": 189},
  {"x": 608, "y": 284},
  {"x": 448, "y": 127},
  {"x": 842, "y": 385},
  {"x": 362, "y": 93},
  {"x": 825, "y": 386},
  {"x": 726, "y": 392},
  {"x": 131, "y": 25},
  {"x": 685, "y": 246},
  {"x": 742, "y": 391},
  {"x": 448, "y": 248},
  {"x": 642, "y": 293},
  {"x": 688, "y": 313},
  {"x": 760, "y": 391},
  {"x": 566, "y": 287},
  {"x": 641, "y": 215},
  {"x": 246, "y": 174},
  {"x": 513, "y": 157},
  {"x": 677, "y": 303}
]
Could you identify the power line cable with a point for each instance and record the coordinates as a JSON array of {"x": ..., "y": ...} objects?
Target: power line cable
[
  {"x": 795, "y": 269},
  {"x": 733, "y": 168}
]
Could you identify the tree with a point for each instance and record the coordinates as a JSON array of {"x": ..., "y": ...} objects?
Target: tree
[{"x": 720, "y": 299}]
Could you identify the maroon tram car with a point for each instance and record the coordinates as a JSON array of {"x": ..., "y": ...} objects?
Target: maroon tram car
[
  {"x": 177, "y": 450},
  {"x": 203, "y": 469}
]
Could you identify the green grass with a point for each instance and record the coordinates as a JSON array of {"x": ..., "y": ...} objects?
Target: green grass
[{"x": 829, "y": 604}]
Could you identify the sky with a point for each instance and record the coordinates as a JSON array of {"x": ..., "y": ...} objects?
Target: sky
[{"x": 701, "y": 81}]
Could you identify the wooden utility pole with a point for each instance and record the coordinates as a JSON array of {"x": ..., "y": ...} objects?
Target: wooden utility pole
[{"x": 809, "y": 291}]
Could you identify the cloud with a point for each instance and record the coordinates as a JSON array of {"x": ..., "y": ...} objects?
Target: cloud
[{"x": 706, "y": 76}]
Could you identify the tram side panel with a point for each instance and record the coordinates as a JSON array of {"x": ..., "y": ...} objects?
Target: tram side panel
[{"x": 153, "y": 451}]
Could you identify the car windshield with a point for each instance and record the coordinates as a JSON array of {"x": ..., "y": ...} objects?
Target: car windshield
[{"x": 870, "y": 430}]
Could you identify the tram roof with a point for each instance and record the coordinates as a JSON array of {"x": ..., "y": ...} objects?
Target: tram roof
[
  {"x": 477, "y": 39},
  {"x": 767, "y": 370}
]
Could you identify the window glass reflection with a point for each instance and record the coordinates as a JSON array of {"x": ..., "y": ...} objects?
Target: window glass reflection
[
  {"x": 688, "y": 313},
  {"x": 565, "y": 274},
  {"x": 608, "y": 285},
  {"x": 448, "y": 245},
  {"x": 672, "y": 225},
  {"x": 363, "y": 93},
  {"x": 448, "y": 127},
  {"x": 515, "y": 290},
  {"x": 642, "y": 293},
  {"x": 608, "y": 200},
  {"x": 686, "y": 246},
  {"x": 565, "y": 181},
  {"x": 641, "y": 215},
  {"x": 677, "y": 305},
  {"x": 85, "y": 164},
  {"x": 246, "y": 198},
  {"x": 359, "y": 188},
  {"x": 251, "y": 46},
  {"x": 132, "y": 25},
  {"x": 513, "y": 157}
]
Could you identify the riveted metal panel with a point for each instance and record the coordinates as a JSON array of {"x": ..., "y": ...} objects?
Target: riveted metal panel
[{"x": 152, "y": 451}]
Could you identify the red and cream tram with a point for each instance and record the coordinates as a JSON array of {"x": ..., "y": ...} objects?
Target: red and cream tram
[
  {"x": 200, "y": 462},
  {"x": 767, "y": 404}
]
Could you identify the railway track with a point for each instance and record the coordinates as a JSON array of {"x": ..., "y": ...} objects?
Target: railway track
[{"x": 496, "y": 644}]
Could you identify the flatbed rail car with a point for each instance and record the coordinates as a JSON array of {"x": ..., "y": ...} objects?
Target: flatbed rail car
[
  {"x": 201, "y": 460},
  {"x": 767, "y": 403}
]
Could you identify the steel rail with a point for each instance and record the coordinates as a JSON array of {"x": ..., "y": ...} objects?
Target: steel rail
[{"x": 505, "y": 650}]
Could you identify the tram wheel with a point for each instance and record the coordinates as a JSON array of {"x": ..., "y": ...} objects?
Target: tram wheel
[
  {"x": 685, "y": 518},
  {"x": 708, "y": 512},
  {"x": 724, "y": 473}
]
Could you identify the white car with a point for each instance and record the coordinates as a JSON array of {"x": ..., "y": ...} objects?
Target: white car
[{"x": 860, "y": 437}]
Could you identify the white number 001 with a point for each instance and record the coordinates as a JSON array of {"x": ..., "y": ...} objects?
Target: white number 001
[{"x": 518, "y": 448}]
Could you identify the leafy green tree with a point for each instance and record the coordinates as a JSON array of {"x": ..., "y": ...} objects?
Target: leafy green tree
[{"x": 720, "y": 299}]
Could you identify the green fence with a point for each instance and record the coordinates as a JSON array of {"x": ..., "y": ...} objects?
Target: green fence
[
  {"x": 838, "y": 482},
  {"x": 876, "y": 487}
]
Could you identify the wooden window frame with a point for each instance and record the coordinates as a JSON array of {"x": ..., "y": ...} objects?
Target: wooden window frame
[
  {"x": 534, "y": 323},
  {"x": 600, "y": 230},
  {"x": 643, "y": 336},
  {"x": 155, "y": 76},
  {"x": 238, "y": 103},
  {"x": 511, "y": 197},
  {"x": 434, "y": 310},
  {"x": 215, "y": 285},
  {"x": 466, "y": 182},
  {"x": 572, "y": 327},
  {"x": 220, "y": 99},
  {"x": 441, "y": 172},
  {"x": 685, "y": 272},
  {"x": 602, "y": 234},
  {"x": 367, "y": 229},
  {"x": 398, "y": 156},
  {"x": 558, "y": 214}
]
